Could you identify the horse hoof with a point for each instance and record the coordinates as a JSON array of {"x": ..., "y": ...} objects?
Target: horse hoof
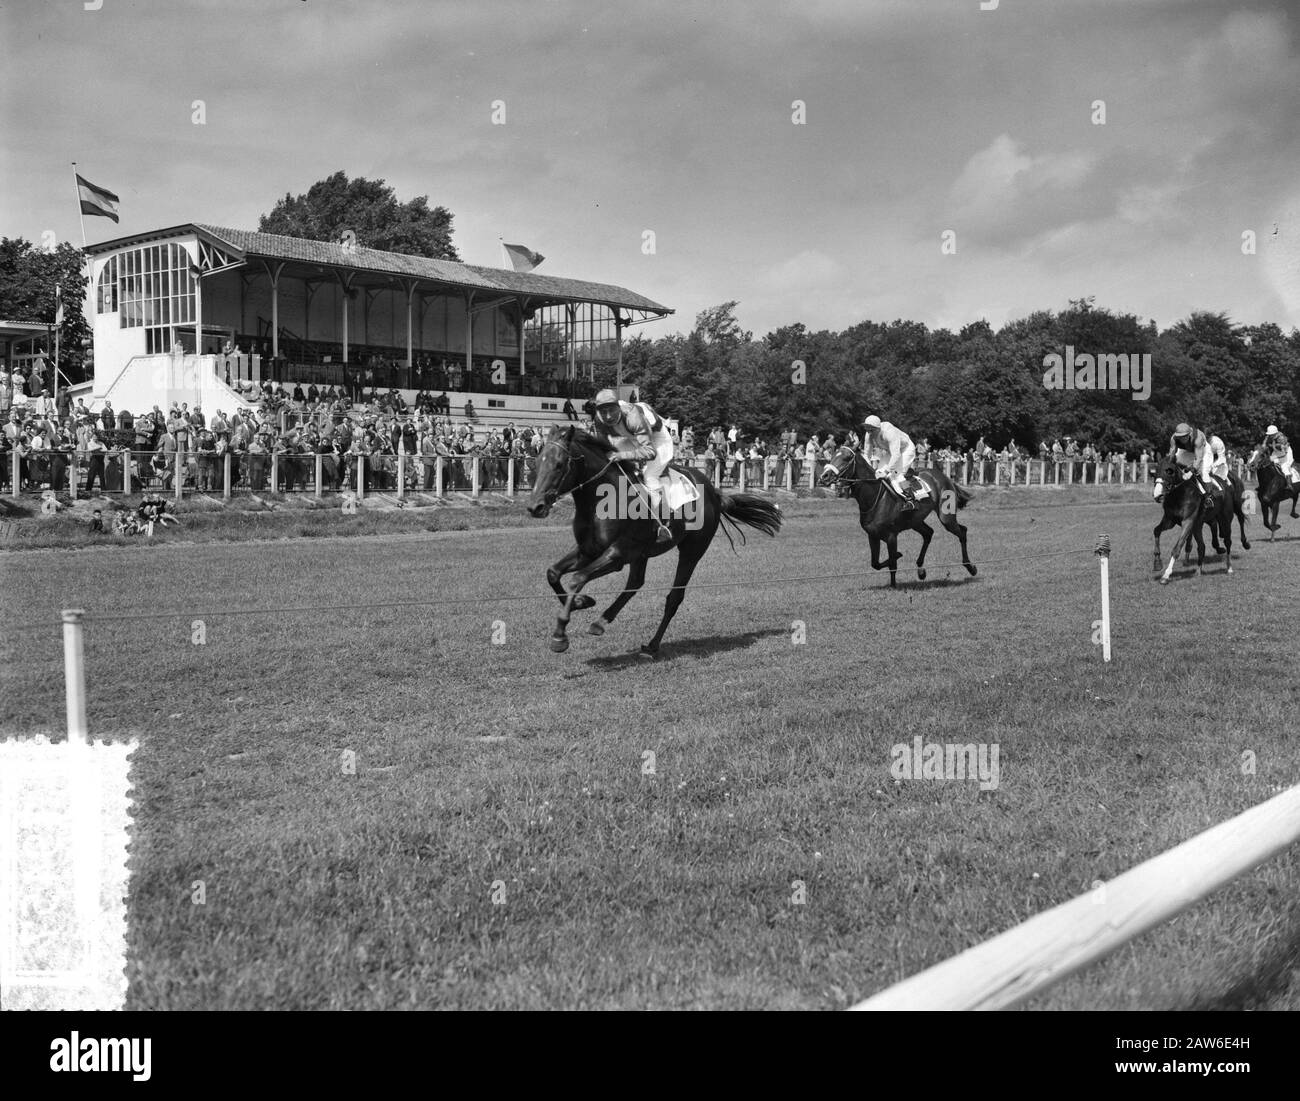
[
  {"x": 559, "y": 645},
  {"x": 1164, "y": 581},
  {"x": 1229, "y": 569},
  {"x": 597, "y": 628},
  {"x": 920, "y": 575},
  {"x": 972, "y": 570},
  {"x": 646, "y": 654},
  {"x": 583, "y": 602}
]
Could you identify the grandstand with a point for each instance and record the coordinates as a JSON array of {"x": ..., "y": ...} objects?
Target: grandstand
[{"x": 203, "y": 314}]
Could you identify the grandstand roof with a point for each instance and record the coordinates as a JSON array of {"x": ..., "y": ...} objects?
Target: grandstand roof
[{"x": 246, "y": 245}]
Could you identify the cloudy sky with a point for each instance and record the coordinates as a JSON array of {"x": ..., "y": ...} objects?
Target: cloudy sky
[{"x": 921, "y": 117}]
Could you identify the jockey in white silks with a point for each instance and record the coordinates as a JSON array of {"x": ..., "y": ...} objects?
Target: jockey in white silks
[
  {"x": 636, "y": 432},
  {"x": 1276, "y": 447},
  {"x": 1200, "y": 454},
  {"x": 895, "y": 453}
]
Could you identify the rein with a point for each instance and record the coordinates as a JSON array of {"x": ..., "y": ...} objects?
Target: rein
[{"x": 569, "y": 461}]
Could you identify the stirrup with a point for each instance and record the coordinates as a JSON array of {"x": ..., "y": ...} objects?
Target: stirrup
[{"x": 664, "y": 534}]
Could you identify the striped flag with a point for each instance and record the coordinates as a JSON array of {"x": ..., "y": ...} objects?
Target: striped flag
[
  {"x": 95, "y": 200},
  {"x": 58, "y": 305},
  {"x": 521, "y": 258}
]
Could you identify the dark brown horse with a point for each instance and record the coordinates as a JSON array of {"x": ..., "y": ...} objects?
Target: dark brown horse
[
  {"x": 613, "y": 528},
  {"x": 882, "y": 515},
  {"x": 1273, "y": 488},
  {"x": 1186, "y": 508}
]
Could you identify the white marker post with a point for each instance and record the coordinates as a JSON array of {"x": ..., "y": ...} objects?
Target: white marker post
[
  {"x": 74, "y": 673},
  {"x": 1103, "y": 555}
]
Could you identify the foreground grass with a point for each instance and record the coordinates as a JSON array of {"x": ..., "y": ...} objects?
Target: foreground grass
[{"x": 502, "y": 842}]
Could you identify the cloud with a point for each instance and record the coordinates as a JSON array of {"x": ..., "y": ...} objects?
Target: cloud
[{"x": 1003, "y": 195}]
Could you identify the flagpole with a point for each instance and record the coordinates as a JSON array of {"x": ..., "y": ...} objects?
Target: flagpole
[
  {"x": 58, "y": 333},
  {"x": 77, "y": 188},
  {"x": 505, "y": 256}
]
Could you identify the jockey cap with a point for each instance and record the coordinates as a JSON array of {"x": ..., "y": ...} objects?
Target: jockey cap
[
  {"x": 871, "y": 422},
  {"x": 1271, "y": 430}
]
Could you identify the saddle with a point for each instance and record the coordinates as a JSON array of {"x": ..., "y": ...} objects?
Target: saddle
[
  {"x": 920, "y": 491},
  {"x": 679, "y": 490}
]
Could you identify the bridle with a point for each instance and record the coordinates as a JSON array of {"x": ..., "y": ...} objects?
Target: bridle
[{"x": 568, "y": 465}]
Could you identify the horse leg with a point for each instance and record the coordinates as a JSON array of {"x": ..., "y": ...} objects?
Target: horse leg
[
  {"x": 926, "y": 533},
  {"x": 891, "y": 541},
  {"x": 688, "y": 557},
  {"x": 610, "y": 559},
  {"x": 574, "y": 560},
  {"x": 1183, "y": 536},
  {"x": 1200, "y": 548},
  {"x": 1227, "y": 536},
  {"x": 635, "y": 579},
  {"x": 1241, "y": 523},
  {"x": 949, "y": 520},
  {"x": 874, "y": 542}
]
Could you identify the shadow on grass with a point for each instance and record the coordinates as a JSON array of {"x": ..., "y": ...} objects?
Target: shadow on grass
[
  {"x": 1271, "y": 977},
  {"x": 689, "y": 648},
  {"x": 945, "y": 582}
]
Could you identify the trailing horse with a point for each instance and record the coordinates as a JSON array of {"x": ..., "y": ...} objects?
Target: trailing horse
[
  {"x": 610, "y": 538},
  {"x": 1185, "y": 507},
  {"x": 1273, "y": 488},
  {"x": 883, "y": 516}
]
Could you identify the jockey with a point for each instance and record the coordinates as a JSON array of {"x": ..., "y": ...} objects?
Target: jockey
[
  {"x": 1276, "y": 447},
  {"x": 636, "y": 432},
  {"x": 882, "y": 437},
  {"x": 1195, "y": 452}
]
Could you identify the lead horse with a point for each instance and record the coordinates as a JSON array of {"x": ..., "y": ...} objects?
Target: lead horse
[
  {"x": 883, "y": 516},
  {"x": 1185, "y": 508},
  {"x": 612, "y": 528}
]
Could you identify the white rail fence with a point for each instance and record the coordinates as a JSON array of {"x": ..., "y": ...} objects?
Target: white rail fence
[{"x": 1024, "y": 961}]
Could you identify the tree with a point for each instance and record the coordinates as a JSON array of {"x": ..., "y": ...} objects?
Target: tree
[
  {"x": 370, "y": 210},
  {"x": 28, "y": 275}
]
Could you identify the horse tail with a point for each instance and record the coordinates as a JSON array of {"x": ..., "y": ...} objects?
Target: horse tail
[
  {"x": 752, "y": 511},
  {"x": 963, "y": 495}
]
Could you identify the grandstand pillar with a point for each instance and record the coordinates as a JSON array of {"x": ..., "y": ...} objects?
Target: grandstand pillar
[
  {"x": 767, "y": 474},
  {"x": 510, "y": 476},
  {"x": 346, "y": 286},
  {"x": 320, "y": 458},
  {"x": 618, "y": 363},
  {"x": 474, "y": 476},
  {"x": 523, "y": 364},
  {"x": 469, "y": 334},
  {"x": 401, "y": 475},
  {"x": 275, "y": 472},
  {"x": 361, "y": 476},
  {"x": 225, "y": 487},
  {"x": 743, "y": 464},
  {"x": 789, "y": 475},
  {"x": 437, "y": 477},
  {"x": 180, "y": 473},
  {"x": 274, "y": 273},
  {"x": 15, "y": 458},
  {"x": 410, "y": 327},
  {"x": 571, "y": 325}
]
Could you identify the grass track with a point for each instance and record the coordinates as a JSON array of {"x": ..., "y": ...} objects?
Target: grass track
[{"x": 482, "y": 764}]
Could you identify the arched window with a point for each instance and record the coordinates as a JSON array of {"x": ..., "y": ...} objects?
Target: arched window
[{"x": 106, "y": 288}]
